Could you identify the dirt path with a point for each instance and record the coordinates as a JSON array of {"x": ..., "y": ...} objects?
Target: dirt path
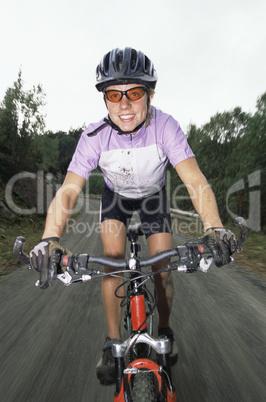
[{"x": 51, "y": 340}]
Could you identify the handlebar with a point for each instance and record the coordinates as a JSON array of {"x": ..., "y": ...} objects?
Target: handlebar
[
  {"x": 18, "y": 250},
  {"x": 189, "y": 258}
]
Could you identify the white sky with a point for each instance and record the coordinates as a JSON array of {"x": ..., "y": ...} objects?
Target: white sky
[{"x": 210, "y": 55}]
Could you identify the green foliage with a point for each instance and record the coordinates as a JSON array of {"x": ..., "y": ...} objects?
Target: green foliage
[
  {"x": 21, "y": 122},
  {"x": 230, "y": 148},
  {"x": 95, "y": 182},
  {"x": 67, "y": 146},
  {"x": 24, "y": 144}
]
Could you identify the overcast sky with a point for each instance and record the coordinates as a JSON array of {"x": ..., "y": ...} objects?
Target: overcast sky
[{"x": 210, "y": 55}]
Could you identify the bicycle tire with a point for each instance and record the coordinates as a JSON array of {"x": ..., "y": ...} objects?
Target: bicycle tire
[{"x": 143, "y": 387}]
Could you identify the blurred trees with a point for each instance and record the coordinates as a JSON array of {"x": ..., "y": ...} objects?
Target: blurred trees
[
  {"x": 22, "y": 124},
  {"x": 24, "y": 143},
  {"x": 230, "y": 150}
]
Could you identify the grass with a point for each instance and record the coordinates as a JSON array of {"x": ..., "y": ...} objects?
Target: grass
[
  {"x": 254, "y": 255},
  {"x": 30, "y": 228}
]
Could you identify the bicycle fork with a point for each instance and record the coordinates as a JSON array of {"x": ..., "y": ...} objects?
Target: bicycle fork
[{"x": 162, "y": 347}]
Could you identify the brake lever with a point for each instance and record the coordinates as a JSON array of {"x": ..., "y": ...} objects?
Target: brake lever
[
  {"x": 65, "y": 277},
  {"x": 243, "y": 232},
  {"x": 205, "y": 263}
]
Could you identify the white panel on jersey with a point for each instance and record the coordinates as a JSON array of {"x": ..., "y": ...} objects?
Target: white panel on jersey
[{"x": 134, "y": 172}]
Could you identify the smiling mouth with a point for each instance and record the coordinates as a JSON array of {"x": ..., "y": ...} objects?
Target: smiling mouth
[{"x": 127, "y": 118}]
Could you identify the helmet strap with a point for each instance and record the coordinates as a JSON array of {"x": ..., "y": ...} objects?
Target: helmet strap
[{"x": 118, "y": 129}]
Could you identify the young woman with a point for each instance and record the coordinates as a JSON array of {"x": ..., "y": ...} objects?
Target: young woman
[{"x": 132, "y": 147}]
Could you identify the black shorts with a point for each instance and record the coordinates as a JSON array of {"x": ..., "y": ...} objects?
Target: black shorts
[{"x": 154, "y": 211}]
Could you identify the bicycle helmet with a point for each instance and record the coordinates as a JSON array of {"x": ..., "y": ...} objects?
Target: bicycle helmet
[{"x": 125, "y": 66}]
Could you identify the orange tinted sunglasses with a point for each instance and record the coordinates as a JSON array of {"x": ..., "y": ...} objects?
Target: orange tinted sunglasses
[{"x": 133, "y": 94}]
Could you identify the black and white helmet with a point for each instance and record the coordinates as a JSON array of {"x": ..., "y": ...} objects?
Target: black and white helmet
[{"x": 125, "y": 66}]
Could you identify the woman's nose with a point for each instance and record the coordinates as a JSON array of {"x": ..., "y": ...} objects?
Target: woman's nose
[{"x": 125, "y": 102}]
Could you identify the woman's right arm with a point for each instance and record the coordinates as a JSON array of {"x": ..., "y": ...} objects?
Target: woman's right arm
[{"x": 62, "y": 205}]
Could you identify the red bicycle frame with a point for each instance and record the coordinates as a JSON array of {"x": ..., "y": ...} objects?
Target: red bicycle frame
[{"x": 138, "y": 318}]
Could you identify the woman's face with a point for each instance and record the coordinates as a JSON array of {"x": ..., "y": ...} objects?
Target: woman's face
[{"x": 127, "y": 114}]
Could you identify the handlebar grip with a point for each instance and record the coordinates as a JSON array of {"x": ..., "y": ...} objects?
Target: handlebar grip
[{"x": 18, "y": 250}]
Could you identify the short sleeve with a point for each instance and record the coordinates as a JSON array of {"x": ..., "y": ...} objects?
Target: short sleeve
[
  {"x": 85, "y": 158},
  {"x": 175, "y": 142}
]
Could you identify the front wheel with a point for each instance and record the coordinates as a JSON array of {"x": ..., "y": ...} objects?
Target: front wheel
[{"x": 143, "y": 387}]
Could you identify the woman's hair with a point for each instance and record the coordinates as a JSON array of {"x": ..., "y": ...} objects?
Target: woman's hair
[{"x": 150, "y": 93}]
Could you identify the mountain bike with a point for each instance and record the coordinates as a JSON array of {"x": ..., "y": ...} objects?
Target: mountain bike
[{"x": 142, "y": 361}]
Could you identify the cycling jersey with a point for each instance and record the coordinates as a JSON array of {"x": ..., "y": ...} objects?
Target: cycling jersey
[{"x": 132, "y": 165}]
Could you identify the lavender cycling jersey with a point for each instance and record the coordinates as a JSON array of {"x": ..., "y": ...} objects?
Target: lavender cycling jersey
[{"x": 132, "y": 165}]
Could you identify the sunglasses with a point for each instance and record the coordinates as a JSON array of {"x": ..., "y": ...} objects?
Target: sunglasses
[{"x": 133, "y": 94}]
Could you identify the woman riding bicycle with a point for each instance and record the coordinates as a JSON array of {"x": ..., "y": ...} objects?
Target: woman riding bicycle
[{"x": 132, "y": 147}]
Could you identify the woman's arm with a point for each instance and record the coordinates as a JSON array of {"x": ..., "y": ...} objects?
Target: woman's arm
[
  {"x": 62, "y": 205},
  {"x": 200, "y": 192}
]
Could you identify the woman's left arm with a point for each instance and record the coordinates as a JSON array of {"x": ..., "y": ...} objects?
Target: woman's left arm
[{"x": 200, "y": 192}]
